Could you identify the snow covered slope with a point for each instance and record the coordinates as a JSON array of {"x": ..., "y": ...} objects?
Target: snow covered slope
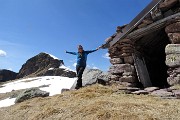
[{"x": 52, "y": 84}]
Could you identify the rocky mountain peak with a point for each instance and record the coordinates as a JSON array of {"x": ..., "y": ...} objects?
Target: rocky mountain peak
[{"x": 41, "y": 65}]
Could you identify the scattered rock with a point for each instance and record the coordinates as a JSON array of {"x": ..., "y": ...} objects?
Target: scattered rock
[
  {"x": 65, "y": 90},
  {"x": 31, "y": 93}
]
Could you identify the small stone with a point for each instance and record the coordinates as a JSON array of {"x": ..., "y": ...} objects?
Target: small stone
[
  {"x": 172, "y": 49},
  {"x": 129, "y": 60},
  {"x": 128, "y": 74},
  {"x": 132, "y": 89},
  {"x": 140, "y": 92},
  {"x": 64, "y": 90},
  {"x": 128, "y": 84},
  {"x": 173, "y": 60},
  {"x": 116, "y": 61},
  {"x": 114, "y": 78},
  {"x": 173, "y": 28},
  {"x": 121, "y": 68},
  {"x": 177, "y": 93},
  {"x": 151, "y": 89},
  {"x": 174, "y": 37},
  {"x": 167, "y": 4},
  {"x": 130, "y": 79},
  {"x": 173, "y": 80}
]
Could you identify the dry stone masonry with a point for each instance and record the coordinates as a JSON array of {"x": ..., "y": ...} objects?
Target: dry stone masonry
[
  {"x": 156, "y": 23},
  {"x": 173, "y": 53},
  {"x": 122, "y": 69}
]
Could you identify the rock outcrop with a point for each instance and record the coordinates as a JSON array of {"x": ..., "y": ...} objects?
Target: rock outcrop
[
  {"x": 31, "y": 93},
  {"x": 6, "y": 75},
  {"x": 90, "y": 76},
  {"x": 93, "y": 76},
  {"x": 44, "y": 64}
]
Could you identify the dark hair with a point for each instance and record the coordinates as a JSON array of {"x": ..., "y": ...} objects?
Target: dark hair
[{"x": 80, "y": 47}]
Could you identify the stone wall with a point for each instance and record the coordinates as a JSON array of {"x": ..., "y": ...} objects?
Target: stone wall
[
  {"x": 122, "y": 69},
  {"x": 173, "y": 53}
]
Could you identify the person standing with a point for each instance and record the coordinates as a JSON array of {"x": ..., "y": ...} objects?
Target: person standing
[{"x": 81, "y": 63}]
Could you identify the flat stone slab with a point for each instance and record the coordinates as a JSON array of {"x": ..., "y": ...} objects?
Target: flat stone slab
[
  {"x": 151, "y": 89},
  {"x": 132, "y": 89},
  {"x": 139, "y": 92},
  {"x": 162, "y": 93}
]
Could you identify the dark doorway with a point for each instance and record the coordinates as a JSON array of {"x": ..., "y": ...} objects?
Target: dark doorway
[{"x": 152, "y": 47}]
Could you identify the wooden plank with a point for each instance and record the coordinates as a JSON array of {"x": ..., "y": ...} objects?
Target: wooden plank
[
  {"x": 141, "y": 70},
  {"x": 135, "y": 21}
]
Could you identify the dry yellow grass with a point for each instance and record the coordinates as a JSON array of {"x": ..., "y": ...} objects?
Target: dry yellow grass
[{"x": 95, "y": 102}]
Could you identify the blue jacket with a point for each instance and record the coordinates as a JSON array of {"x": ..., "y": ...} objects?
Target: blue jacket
[{"x": 81, "y": 58}]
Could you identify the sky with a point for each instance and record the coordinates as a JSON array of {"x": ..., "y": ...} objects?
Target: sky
[{"x": 28, "y": 27}]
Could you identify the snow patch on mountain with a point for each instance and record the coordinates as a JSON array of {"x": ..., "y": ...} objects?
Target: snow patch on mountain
[{"x": 51, "y": 84}]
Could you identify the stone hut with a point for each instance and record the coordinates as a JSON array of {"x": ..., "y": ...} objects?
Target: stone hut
[{"x": 149, "y": 53}]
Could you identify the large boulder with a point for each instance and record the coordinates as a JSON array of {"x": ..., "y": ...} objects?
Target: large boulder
[
  {"x": 92, "y": 76},
  {"x": 6, "y": 75},
  {"x": 103, "y": 78},
  {"x": 44, "y": 64},
  {"x": 31, "y": 93}
]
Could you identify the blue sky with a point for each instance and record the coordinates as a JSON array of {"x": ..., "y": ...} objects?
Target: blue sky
[{"x": 28, "y": 27}]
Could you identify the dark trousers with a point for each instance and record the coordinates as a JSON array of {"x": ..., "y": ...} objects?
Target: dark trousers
[{"x": 79, "y": 70}]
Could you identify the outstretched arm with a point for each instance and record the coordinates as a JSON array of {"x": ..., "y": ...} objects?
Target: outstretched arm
[
  {"x": 90, "y": 51},
  {"x": 73, "y": 53}
]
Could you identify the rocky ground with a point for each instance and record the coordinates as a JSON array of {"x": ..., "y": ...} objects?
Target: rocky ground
[{"x": 94, "y": 102}]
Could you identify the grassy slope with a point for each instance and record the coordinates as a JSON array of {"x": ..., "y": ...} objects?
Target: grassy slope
[{"x": 92, "y": 103}]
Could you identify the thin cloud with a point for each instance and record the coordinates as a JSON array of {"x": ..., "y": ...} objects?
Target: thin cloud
[
  {"x": 95, "y": 67},
  {"x": 106, "y": 56},
  {"x": 74, "y": 65},
  {"x": 2, "y": 53}
]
